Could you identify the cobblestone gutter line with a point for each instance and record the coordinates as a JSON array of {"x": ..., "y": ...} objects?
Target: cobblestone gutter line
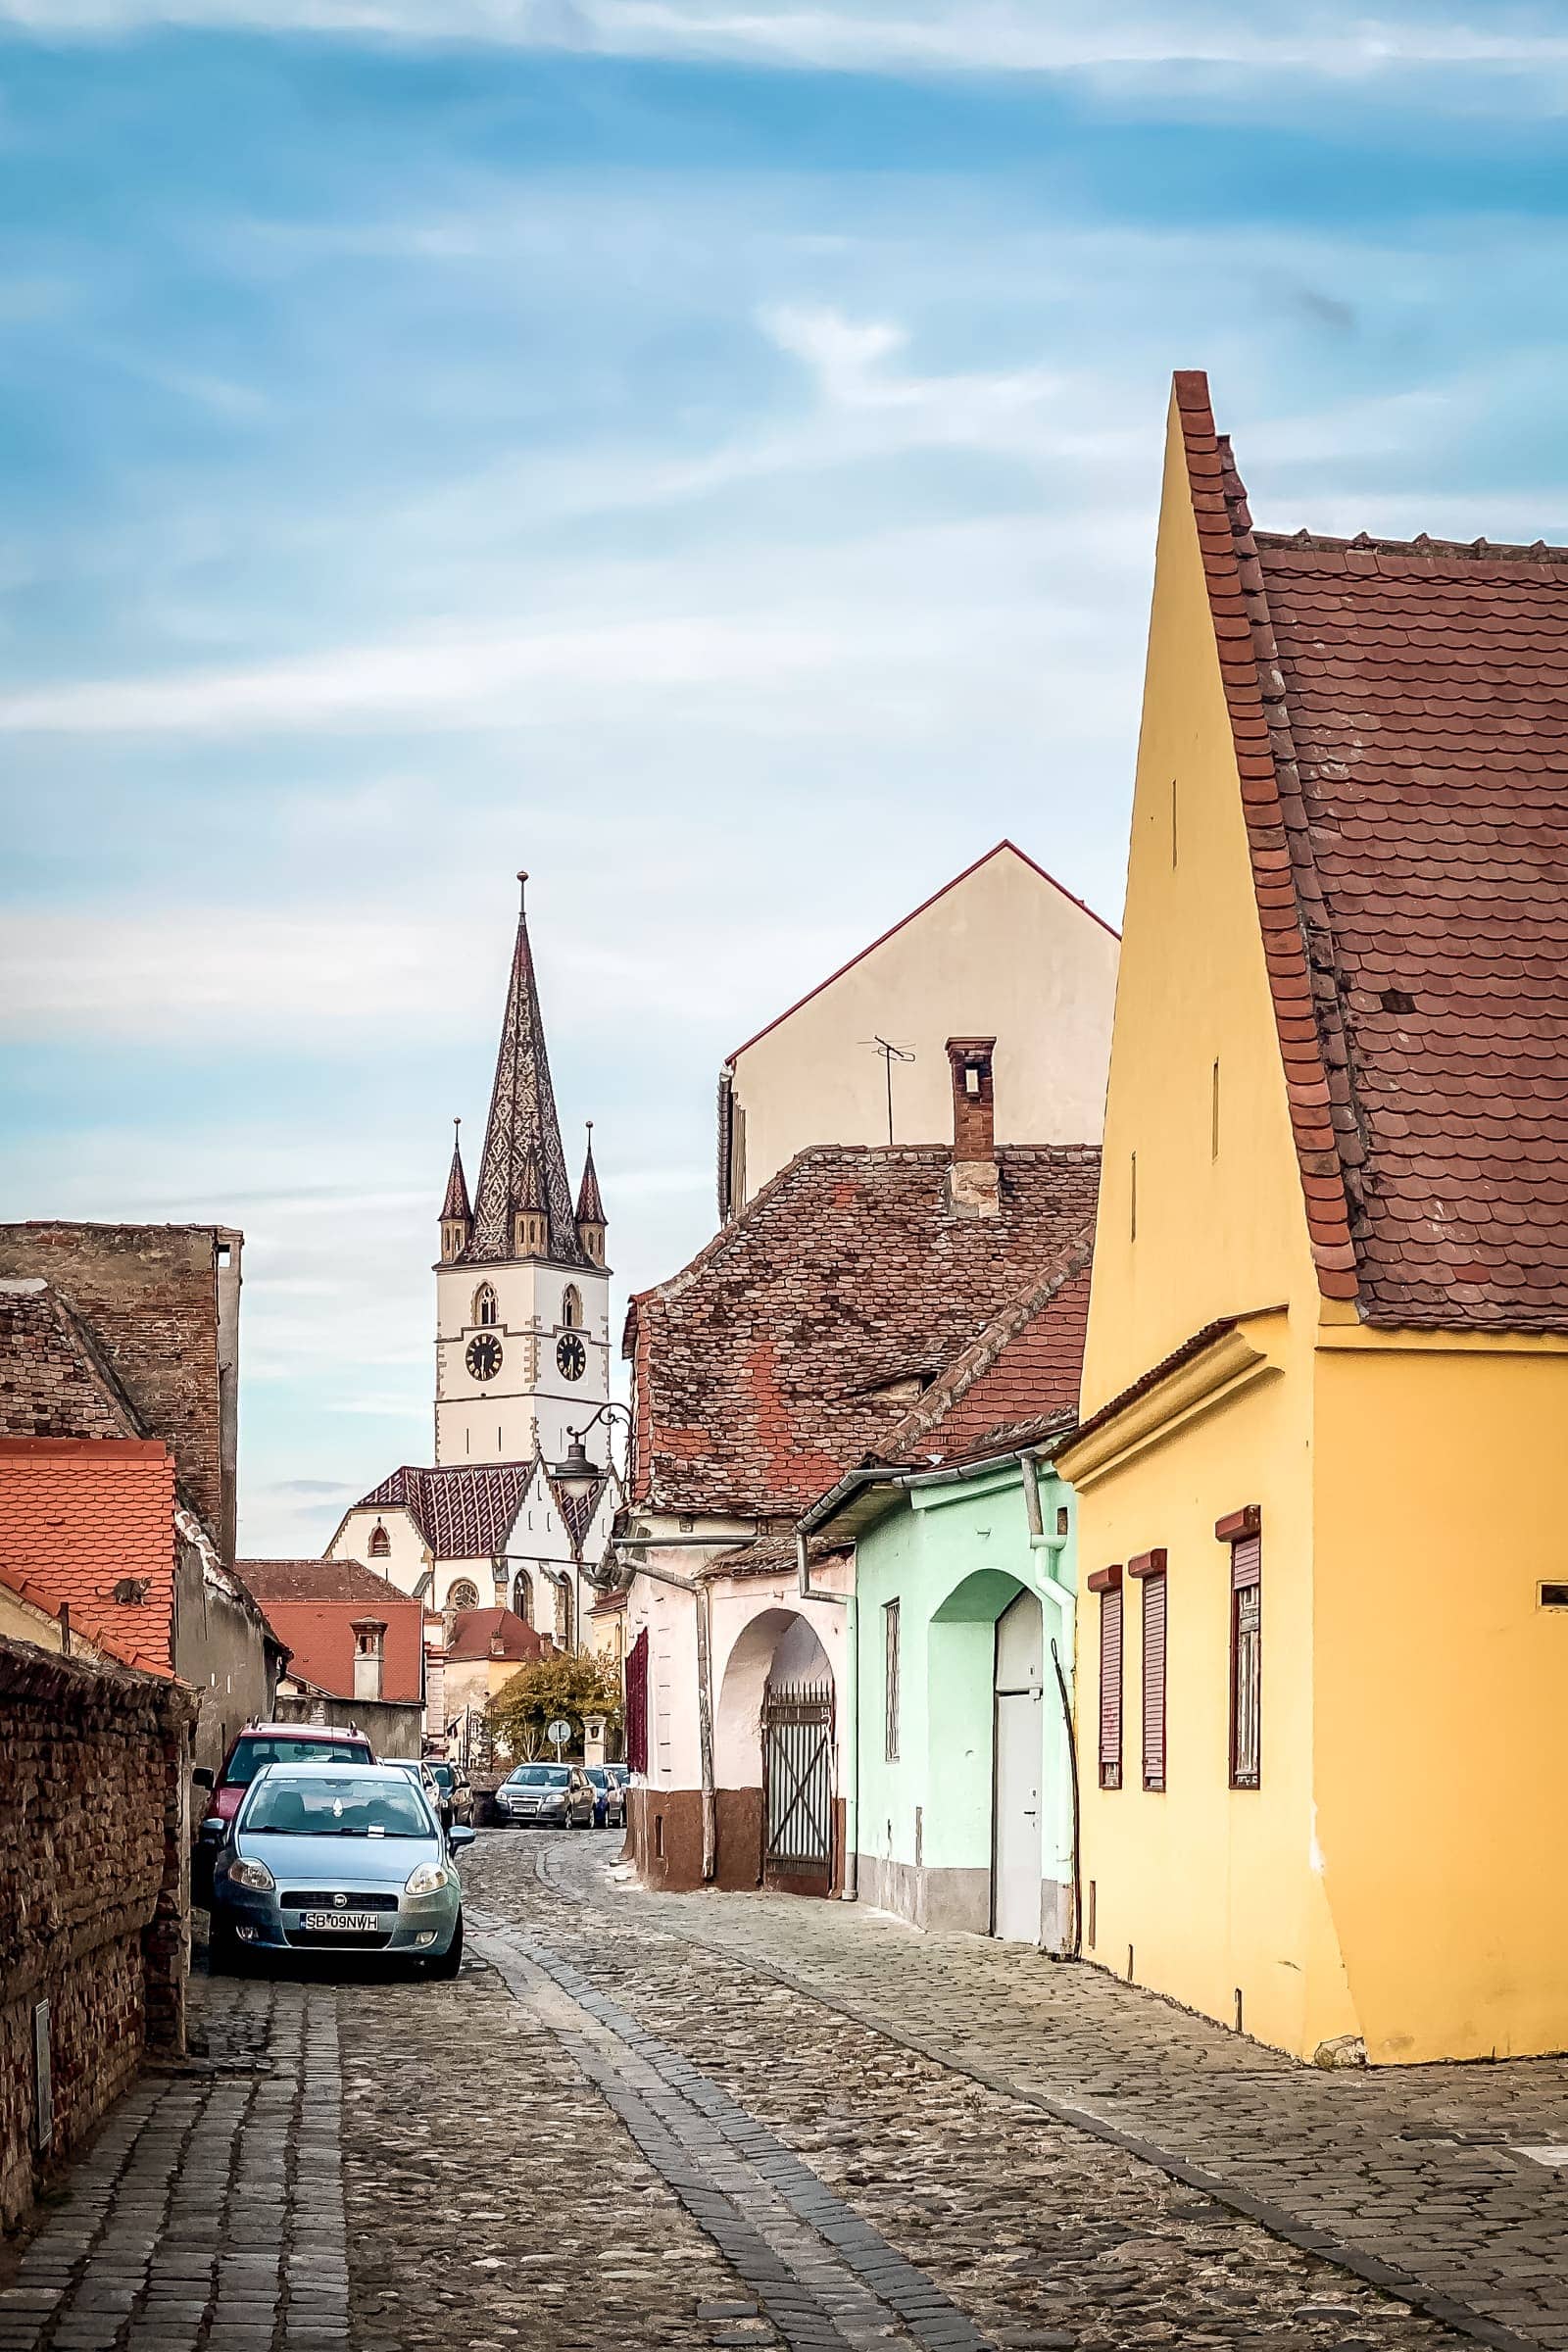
[
  {"x": 1461, "y": 2316},
  {"x": 824, "y": 2277}
]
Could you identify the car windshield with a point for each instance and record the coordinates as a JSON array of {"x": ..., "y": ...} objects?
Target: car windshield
[
  {"x": 444, "y": 1777},
  {"x": 541, "y": 1776},
  {"x": 359, "y": 1804},
  {"x": 255, "y": 1750},
  {"x": 598, "y": 1774}
]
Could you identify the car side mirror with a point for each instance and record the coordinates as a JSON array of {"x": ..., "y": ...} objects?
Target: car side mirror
[
  {"x": 201, "y": 1778},
  {"x": 459, "y": 1837}
]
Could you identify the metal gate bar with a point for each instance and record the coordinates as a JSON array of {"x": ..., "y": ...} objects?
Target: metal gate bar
[{"x": 798, "y": 1776}]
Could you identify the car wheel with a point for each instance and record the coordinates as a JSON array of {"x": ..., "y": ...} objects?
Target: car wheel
[{"x": 451, "y": 1960}]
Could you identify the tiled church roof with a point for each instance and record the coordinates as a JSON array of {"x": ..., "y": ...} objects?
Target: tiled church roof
[
  {"x": 522, "y": 1122},
  {"x": 456, "y": 1204},
  {"x": 464, "y": 1513},
  {"x": 590, "y": 1202},
  {"x": 787, "y": 1349},
  {"x": 1399, "y": 713}
]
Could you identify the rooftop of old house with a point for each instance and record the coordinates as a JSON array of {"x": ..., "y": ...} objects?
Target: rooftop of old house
[
  {"x": 798, "y": 1341},
  {"x": 312, "y": 1606},
  {"x": 1400, "y": 711}
]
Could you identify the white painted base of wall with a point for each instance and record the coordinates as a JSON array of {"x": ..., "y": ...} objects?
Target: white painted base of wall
[{"x": 956, "y": 1902}]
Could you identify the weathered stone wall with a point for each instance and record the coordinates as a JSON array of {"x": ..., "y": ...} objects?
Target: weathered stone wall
[
  {"x": 150, "y": 1294},
  {"x": 219, "y": 1647},
  {"x": 94, "y": 1893}
]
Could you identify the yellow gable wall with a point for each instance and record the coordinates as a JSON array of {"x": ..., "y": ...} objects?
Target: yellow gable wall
[
  {"x": 1215, "y": 1235},
  {"x": 1212, "y": 1888},
  {"x": 1442, "y": 1506}
]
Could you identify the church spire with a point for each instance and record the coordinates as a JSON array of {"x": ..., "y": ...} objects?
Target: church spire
[
  {"x": 523, "y": 1127},
  {"x": 591, "y": 1218},
  {"x": 457, "y": 1218}
]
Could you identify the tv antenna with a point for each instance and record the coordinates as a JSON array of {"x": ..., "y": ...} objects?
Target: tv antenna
[{"x": 890, "y": 1055}]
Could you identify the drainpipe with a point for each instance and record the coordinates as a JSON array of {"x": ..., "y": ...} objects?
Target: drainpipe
[
  {"x": 852, "y": 1713},
  {"x": 704, "y": 1685},
  {"x": 1053, "y": 1546}
]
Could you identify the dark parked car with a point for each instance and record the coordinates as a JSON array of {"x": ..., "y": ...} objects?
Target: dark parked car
[
  {"x": 457, "y": 1789},
  {"x": 344, "y": 1857},
  {"x": 555, "y": 1796},
  {"x": 609, "y": 1797},
  {"x": 249, "y": 1752}
]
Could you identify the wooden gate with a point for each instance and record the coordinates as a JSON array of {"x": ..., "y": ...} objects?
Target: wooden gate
[{"x": 797, "y": 1785}]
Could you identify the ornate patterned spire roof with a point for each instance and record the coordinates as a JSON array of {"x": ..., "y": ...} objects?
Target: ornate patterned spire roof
[
  {"x": 456, "y": 1204},
  {"x": 523, "y": 1124},
  {"x": 590, "y": 1203}
]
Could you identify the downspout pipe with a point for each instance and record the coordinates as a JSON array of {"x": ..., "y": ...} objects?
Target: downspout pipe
[
  {"x": 851, "y": 1712},
  {"x": 1053, "y": 1546},
  {"x": 630, "y": 1568}
]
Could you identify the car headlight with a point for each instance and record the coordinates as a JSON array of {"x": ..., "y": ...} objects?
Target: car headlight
[
  {"x": 254, "y": 1875},
  {"x": 428, "y": 1878}
]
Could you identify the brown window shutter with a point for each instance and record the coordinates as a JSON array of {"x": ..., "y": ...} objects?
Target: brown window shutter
[
  {"x": 1153, "y": 1681},
  {"x": 1111, "y": 1688},
  {"x": 1247, "y": 1662},
  {"x": 1247, "y": 1562}
]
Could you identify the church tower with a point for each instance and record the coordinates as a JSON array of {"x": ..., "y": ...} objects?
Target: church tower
[{"x": 522, "y": 1291}]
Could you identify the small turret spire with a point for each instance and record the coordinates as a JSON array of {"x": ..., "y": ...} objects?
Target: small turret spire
[
  {"x": 592, "y": 1222},
  {"x": 523, "y": 1133},
  {"x": 457, "y": 1218}
]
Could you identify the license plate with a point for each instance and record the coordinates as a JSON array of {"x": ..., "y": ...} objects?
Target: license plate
[{"x": 354, "y": 1922}]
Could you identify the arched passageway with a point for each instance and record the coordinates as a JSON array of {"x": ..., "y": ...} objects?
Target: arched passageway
[{"x": 774, "y": 1731}]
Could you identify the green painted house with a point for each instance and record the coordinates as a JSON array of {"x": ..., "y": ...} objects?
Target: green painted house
[{"x": 963, "y": 1804}]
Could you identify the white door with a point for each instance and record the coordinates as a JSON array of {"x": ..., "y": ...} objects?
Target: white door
[{"x": 1020, "y": 1742}]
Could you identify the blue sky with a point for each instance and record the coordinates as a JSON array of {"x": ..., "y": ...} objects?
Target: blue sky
[{"x": 705, "y": 454}]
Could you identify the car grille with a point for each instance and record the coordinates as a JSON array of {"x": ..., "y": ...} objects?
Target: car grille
[
  {"x": 331, "y": 1939},
  {"x": 311, "y": 1898}
]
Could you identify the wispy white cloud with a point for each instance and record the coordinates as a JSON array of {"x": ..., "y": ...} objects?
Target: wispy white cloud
[{"x": 946, "y": 36}]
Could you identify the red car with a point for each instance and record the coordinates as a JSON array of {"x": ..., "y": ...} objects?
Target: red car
[{"x": 260, "y": 1743}]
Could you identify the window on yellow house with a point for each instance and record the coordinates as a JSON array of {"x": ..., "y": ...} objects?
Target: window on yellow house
[
  {"x": 1107, "y": 1582},
  {"x": 1241, "y": 1531},
  {"x": 1151, "y": 1572}
]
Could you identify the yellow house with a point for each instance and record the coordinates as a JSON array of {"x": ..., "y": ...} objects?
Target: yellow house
[{"x": 1323, "y": 1487}]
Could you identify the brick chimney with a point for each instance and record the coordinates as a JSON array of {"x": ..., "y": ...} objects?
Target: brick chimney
[
  {"x": 369, "y": 1638},
  {"x": 972, "y": 1189}
]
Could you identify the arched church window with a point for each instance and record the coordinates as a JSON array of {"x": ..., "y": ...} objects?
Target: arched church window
[
  {"x": 380, "y": 1543},
  {"x": 522, "y": 1596},
  {"x": 462, "y": 1595},
  {"x": 484, "y": 1304},
  {"x": 571, "y": 1308},
  {"x": 563, "y": 1634}
]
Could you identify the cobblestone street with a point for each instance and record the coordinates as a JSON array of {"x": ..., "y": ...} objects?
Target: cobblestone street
[{"x": 651, "y": 2121}]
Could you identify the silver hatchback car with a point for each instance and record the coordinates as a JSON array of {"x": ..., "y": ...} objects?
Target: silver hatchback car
[{"x": 338, "y": 1857}]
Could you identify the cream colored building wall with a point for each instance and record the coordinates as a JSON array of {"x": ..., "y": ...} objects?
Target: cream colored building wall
[
  {"x": 407, "y": 1561},
  {"x": 1003, "y": 953}
]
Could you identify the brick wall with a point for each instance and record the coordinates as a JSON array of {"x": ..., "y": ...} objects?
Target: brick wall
[
  {"x": 150, "y": 1295},
  {"x": 94, "y": 1893}
]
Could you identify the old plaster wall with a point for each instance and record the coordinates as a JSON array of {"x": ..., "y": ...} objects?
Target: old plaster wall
[
  {"x": 394, "y": 1727},
  {"x": 1003, "y": 953},
  {"x": 94, "y": 1895},
  {"x": 218, "y": 1649}
]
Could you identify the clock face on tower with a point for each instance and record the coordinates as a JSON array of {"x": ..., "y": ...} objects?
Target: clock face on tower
[
  {"x": 483, "y": 1358},
  {"x": 571, "y": 1357}
]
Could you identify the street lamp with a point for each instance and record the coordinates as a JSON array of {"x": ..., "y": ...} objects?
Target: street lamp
[{"x": 577, "y": 1474}]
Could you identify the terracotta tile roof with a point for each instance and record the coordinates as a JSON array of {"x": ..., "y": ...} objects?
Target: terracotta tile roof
[
  {"x": 79, "y": 1516},
  {"x": 54, "y": 1380},
  {"x": 50, "y": 1603},
  {"x": 311, "y": 1604},
  {"x": 1193, "y": 1346},
  {"x": 771, "y": 1556},
  {"x": 1026, "y": 1365},
  {"x": 785, "y": 1351},
  {"x": 463, "y": 1513},
  {"x": 1007, "y": 1436},
  {"x": 474, "y": 1630},
  {"x": 1400, "y": 718}
]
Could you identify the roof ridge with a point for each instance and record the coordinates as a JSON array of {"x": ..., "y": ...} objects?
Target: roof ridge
[
  {"x": 989, "y": 1344},
  {"x": 1478, "y": 551},
  {"x": 1278, "y": 849}
]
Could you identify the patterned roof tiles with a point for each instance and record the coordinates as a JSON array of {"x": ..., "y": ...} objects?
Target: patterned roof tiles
[
  {"x": 1400, "y": 718},
  {"x": 78, "y": 1516},
  {"x": 456, "y": 1203},
  {"x": 783, "y": 1353},
  {"x": 523, "y": 1148},
  {"x": 463, "y": 1513}
]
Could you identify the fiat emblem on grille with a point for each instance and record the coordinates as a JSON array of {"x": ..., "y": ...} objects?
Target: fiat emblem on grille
[{"x": 340, "y": 1902}]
